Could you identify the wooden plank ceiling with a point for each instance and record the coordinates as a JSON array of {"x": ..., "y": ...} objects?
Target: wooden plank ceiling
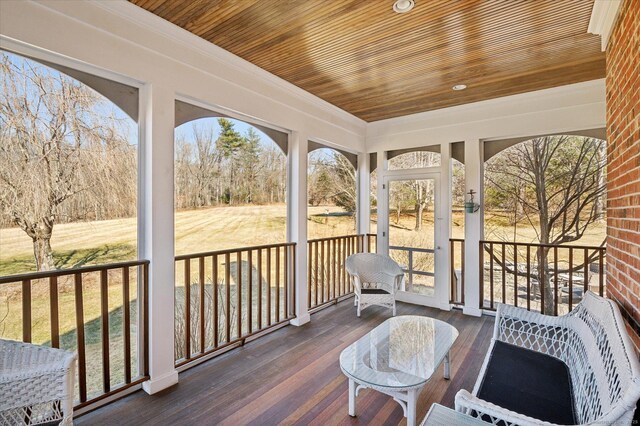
[{"x": 374, "y": 63}]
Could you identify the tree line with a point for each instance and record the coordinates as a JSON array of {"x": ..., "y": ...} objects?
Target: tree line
[{"x": 227, "y": 168}]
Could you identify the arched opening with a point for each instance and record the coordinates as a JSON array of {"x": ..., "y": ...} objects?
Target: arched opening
[
  {"x": 230, "y": 186},
  {"x": 230, "y": 197},
  {"x": 332, "y": 193},
  {"x": 68, "y": 169},
  {"x": 550, "y": 189},
  {"x": 547, "y": 195},
  {"x": 414, "y": 158}
]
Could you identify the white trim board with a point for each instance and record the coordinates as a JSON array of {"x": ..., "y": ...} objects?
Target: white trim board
[
  {"x": 561, "y": 109},
  {"x": 603, "y": 19}
]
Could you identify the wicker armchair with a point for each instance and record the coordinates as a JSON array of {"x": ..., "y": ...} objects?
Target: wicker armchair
[
  {"x": 593, "y": 349},
  {"x": 36, "y": 384},
  {"x": 376, "y": 278}
]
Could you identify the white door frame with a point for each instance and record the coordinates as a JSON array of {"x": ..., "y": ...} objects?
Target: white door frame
[{"x": 440, "y": 299}]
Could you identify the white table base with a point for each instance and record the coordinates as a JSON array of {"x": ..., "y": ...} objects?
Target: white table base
[{"x": 406, "y": 397}]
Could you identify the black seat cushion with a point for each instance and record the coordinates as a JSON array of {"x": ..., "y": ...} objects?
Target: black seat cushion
[
  {"x": 374, "y": 291},
  {"x": 530, "y": 383}
]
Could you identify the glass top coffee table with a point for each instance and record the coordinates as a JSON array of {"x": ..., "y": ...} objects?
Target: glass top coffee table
[{"x": 398, "y": 358}]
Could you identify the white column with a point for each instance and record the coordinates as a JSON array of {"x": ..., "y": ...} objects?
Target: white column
[
  {"x": 473, "y": 225},
  {"x": 297, "y": 219},
  {"x": 363, "y": 198},
  {"x": 156, "y": 231},
  {"x": 383, "y": 201},
  {"x": 443, "y": 223}
]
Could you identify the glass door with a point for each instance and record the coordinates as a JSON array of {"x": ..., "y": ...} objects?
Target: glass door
[{"x": 412, "y": 214}]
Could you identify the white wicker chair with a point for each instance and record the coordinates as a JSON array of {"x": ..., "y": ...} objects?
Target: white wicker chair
[
  {"x": 36, "y": 384},
  {"x": 591, "y": 340},
  {"x": 376, "y": 278}
]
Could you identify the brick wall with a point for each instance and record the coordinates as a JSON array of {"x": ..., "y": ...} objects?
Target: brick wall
[{"x": 623, "y": 134}]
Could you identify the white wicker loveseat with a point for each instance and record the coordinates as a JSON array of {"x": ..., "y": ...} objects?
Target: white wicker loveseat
[
  {"x": 36, "y": 384},
  {"x": 588, "y": 349}
]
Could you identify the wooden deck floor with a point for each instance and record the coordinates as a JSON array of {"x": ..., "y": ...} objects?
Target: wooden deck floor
[{"x": 292, "y": 376}]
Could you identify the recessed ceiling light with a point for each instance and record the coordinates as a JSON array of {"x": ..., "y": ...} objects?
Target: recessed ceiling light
[
  {"x": 459, "y": 87},
  {"x": 403, "y": 6}
]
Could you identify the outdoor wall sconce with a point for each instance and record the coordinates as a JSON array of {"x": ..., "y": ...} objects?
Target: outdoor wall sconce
[{"x": 470, "y": 206}]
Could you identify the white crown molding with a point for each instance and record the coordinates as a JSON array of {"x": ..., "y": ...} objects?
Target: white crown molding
[
  {"x": 488, "y": 108},
  {"x": 566, "y": 108},
  {"x": 603, "y": 19}
]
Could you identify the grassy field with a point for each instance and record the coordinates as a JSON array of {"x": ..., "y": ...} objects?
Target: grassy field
[{"x": 90, "y": 243}]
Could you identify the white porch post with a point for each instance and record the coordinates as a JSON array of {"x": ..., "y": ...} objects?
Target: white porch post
[
  {"x": 443, "y": 224},
  {"x": 473, "y": 225},
  {"x": 382, "y": 217},
  {"x": 157, "y": 229},
  {"x": 297, "y": 219},
  {"x": 363, "y": 208}
]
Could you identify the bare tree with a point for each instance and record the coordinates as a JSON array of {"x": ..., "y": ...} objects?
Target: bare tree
[
  {"x": 557, "y": 182},
  {"x": 58, "y": 141}
]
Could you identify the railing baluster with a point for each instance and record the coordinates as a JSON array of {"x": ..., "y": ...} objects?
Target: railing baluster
[
  {"x": 309, "y": 273},
  {"x": 277, "y": 284},
  {"x": 259, "y": 289},
  {"x": 26, "y": 311},
  {"x": 541, "y": 282},
  {"x": 239, "y": 293},
  {"x": 249, "y": 291},
  {"x": 452, "y": 273},
  {"x": 410, "y": 252},
  {"x": 187, "y": 308},
  {"x": 555, "y": 280},
  {"x": 322, "y": 270},
  {"x": 515, "y": 275},
  {"x": 504, "y": 273},
  {"x": 327, "y": 270},
  {"x": 268, "y": 286},
  {"x": 570, "y": 278},
  {"x": 586, "y": 271},
  {"x": 54, "y": 313},
  {"x": 601, "y": 271},
  {"x": 227, "y": 284},
  {"x": 345, "y": 281},
  {"x": 216, "y": 318},
  {"x": 491, "y": 275},
  {"x": 202, "y": 300},
  {"x": 293, "y": 280},
  {"x": 126, "y": 324},
  {"x": 104, "y": 326},
  {"x": 82, "y": 360},
  {"x": 285, "y": 287},
  {"x": 528, "y": 277},
  {"x": 316, "y": 283}
]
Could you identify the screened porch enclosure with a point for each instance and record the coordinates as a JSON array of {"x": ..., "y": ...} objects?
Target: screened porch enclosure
[{"x": 195, "y": 178}]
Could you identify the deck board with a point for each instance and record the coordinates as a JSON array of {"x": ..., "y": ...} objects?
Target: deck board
[{"x": 292, "y": 377}]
